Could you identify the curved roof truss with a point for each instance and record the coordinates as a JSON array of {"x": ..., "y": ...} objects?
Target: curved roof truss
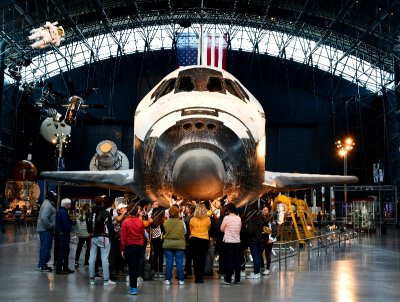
[{"x": 356, "y": 69}]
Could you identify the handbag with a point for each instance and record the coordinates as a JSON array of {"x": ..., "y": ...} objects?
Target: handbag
[{"x": 266, "y": 230}]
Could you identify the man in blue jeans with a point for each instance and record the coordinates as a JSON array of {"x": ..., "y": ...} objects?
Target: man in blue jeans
[{"x": 45, "y": 227}]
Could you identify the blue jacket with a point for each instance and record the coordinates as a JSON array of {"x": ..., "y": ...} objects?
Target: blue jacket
[{"x": 63, "y": 222}]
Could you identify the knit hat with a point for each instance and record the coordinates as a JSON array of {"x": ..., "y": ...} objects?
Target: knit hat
[{"x": 65, "y": 202}]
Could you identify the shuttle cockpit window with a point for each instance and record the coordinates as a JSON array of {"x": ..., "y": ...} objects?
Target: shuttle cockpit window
[
  {"x": 157, "y": 91},
  {"x": 245, "y": 95},
  {"x": 214, "y": 85},
  {"x": 235, "y": 89},
  {"x": 185, "y": 84},
  {"x": 200, "y": 79},
  {"x": 164, "y": 88}
]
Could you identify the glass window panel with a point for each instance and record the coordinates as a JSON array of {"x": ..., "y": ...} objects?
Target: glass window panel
[{"x": 324, "y": 57}]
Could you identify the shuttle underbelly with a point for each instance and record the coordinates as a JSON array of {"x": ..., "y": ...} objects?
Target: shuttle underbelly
[{"x": 198, "y": 174}]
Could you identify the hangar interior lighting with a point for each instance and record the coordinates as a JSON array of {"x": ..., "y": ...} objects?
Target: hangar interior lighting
[{"x": 343, "y": 148}]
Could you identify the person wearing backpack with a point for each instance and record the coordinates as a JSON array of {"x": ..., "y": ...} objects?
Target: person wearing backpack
[
  {"x": 157, "y": 236},
  {"x": 99, "y": 225}
]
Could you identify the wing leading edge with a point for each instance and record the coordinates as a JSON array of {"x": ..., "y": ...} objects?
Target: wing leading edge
[
  {"x": 279, "y": 182},
  {"x": 121, "y": 180}
]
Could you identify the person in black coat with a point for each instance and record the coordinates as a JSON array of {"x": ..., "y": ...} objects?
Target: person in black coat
[
  {"x": 63, "y": 233},
  {"x": 269, "y": 233},
  {"x": 254, "y": 241}
]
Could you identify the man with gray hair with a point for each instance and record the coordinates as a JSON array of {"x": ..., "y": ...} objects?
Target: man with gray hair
[
  {"x": 63, "y": 233},
  {"x": 45, "y": 227}
]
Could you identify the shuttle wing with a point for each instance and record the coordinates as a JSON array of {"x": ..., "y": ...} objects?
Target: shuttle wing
[
  {"x": 279, "y": 182},
  {"x": 121, "y": 180}
]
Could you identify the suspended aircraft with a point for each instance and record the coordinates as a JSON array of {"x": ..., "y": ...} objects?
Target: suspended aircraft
[{"x": 199, "y": 134}]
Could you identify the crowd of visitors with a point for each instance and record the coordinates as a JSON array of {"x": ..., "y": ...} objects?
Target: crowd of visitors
[{"x": 191, "y": 234}]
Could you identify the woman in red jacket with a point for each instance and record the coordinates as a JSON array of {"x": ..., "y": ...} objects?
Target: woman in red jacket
[{"x": 132, "y": 245}]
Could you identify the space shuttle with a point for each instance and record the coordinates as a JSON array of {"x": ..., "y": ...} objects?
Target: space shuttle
[{"x": 199, "y": 134}]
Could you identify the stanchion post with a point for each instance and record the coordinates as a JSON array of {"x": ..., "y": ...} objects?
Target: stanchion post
[
  {"x": 280, "y": 245},
  {"x": 298, "y": 253},
  {"x": 285, "y": 256}
]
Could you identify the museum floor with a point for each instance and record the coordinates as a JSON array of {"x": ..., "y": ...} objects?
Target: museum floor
[{"x": 366, "y": 268}]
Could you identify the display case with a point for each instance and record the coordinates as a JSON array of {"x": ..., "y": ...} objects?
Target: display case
[{"x": 364, "y": 213}]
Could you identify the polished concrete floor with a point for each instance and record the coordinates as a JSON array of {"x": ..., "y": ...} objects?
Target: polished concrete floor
[{"x": 366, "y": 268}]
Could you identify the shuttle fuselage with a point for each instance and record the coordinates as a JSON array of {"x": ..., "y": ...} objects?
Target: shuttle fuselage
[{"x": 200, "y": 135}]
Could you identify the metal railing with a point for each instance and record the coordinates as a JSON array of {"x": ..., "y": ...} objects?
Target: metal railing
[{"x": 323, "y": 243}]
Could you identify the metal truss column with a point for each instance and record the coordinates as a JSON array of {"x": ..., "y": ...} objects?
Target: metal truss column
[
  {"x": 397, "y": 76},
  {"x": 394, "y": 136}
]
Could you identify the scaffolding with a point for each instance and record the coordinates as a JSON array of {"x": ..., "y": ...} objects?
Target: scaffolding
[{"x": 297, "y": 218}]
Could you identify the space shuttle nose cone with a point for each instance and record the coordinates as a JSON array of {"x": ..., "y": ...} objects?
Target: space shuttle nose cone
[{"x": 198, "y": 174}]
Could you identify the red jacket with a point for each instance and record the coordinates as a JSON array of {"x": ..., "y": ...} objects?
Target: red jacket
[{"x": 132, "y": 232}]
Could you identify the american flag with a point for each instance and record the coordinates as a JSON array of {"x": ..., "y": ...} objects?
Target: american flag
[
  {"x": 187, "y": 48},
  {"x": 214, "y": 50},
  {"x": 211, "y": 52}
]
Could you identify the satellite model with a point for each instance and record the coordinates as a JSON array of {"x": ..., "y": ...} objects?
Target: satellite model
[{"x": 107, "y": 157}]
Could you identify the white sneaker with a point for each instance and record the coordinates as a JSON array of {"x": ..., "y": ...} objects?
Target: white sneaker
[
  {"x": 139, "y": 279},
  {"x": 167, "y": 282},
  {"x": 181, "y": 282},
  {"x": 109, "y": 283},
  {"x": 253, "y": 276},
  {"x": 266, "y": 272}
]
